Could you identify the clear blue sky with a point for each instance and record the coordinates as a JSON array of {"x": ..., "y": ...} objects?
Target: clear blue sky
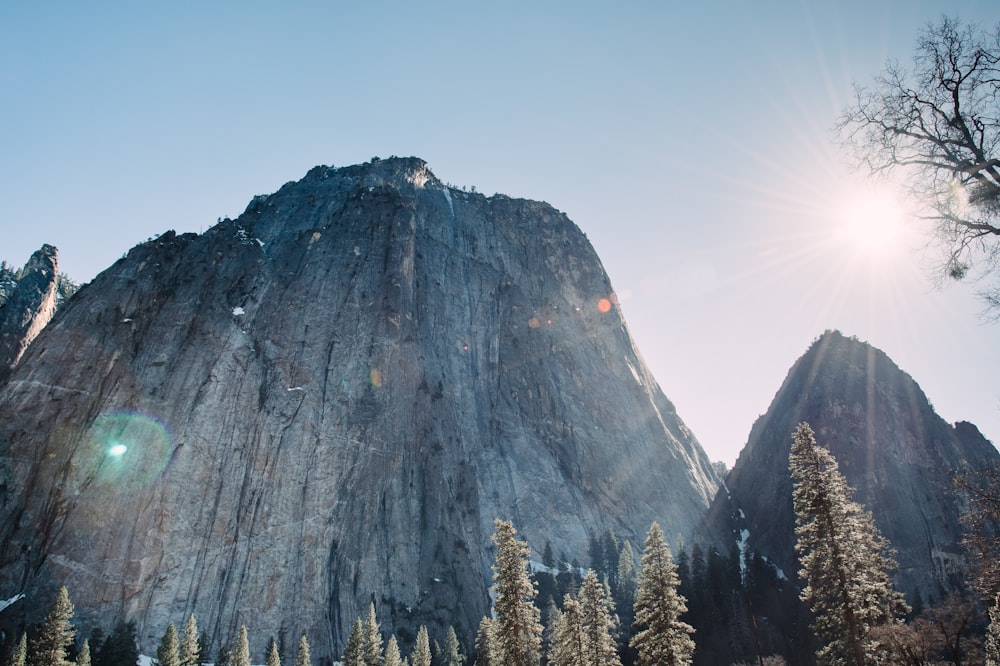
[{"x": 691, "y": 141}]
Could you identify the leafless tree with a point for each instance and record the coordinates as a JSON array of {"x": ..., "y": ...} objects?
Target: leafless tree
[{"x": 938, "y": 127}]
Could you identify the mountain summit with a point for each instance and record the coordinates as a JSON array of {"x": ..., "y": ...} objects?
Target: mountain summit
[
  {"x": 326, "y": 402},
  {"x": 892, "y": 448}
]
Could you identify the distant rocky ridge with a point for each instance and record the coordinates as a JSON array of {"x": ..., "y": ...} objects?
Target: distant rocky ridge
[
  {"x": 894, "y": 450},
  {"x": 27, "y": 305},
  {"x": 326, "y": 402}
]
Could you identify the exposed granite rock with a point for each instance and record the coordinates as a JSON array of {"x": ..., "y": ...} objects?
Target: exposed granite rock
[
  {"x": 891, "y": 446},
  {"x": 327, "y": 401},
  {"x": 30, "y": 306}
]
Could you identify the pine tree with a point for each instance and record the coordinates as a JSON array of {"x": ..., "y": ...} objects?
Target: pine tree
[
  {"x": 993, "y": 635},
  {"x": 83, "y": 659},
  {"x": 354, "y": 651},
  {"x": 844, "y": 558},
  {"x": 190, "y": 651},
  {"x": 422, "y": 650},
  {"x": 239, "y": 655},
  {"x": 392, "y": 656},
  {"x": 452, "y": 649},
  {"x": 49, "y": 646},
  {"x": 168, "y": 653},
  {"x": 371, "y": 640},
  {"x": 662, "y": 638},
  {"x": 598, "y": 622},
  {"x": 20, "y": 656},
  {"x": 568, "y": 646},
  {"x": 120, "y": 648},
  {"x": 518, "y": 629},
  {"x": 302, "y": 658},
  {"x": 273, "y": 658},
  {"x": 484, "y": 643}
]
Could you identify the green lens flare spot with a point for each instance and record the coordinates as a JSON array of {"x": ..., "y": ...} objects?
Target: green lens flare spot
[{"x": 117, "y": 450}]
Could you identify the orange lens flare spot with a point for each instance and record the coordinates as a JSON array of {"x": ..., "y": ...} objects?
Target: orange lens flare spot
[
  {"x": 375, "y": 377},
  {"x": 534, "y": 322},
  {"x": 604, "y": 305}
]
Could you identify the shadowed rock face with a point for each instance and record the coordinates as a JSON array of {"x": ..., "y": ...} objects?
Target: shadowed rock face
[
  {"x": 29, "y": 308},
  {"x": 325, "y": 402},
  {"x": 891, "y": 446}
]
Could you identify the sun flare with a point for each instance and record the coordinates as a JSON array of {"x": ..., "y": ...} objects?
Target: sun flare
[{"x": 871, "y": 222}]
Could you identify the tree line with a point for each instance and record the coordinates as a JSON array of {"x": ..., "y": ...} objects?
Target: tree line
[{"x": 740, "y": 607}]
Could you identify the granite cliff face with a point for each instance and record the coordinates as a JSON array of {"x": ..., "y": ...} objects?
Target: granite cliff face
[
  {"x": 325, "y": 402},
  {"x": 29, "y": 307},
  {"x": 891, "y": 446}
]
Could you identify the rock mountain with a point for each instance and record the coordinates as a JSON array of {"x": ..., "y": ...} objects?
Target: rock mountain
[
  {"x": 891, "y": 446},
  {"x": 325, "y": 402},
  {"x": 27, "y": 306}
]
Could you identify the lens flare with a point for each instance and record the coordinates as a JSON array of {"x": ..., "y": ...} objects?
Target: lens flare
[{"x": 143, "y": 437}]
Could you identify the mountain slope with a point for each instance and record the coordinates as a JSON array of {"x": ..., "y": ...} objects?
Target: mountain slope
[
  {"x": 894, "y": 450},
  {"x": 327, "y": 401}
]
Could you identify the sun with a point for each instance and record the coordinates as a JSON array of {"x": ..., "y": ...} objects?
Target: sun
[{"x": 870, "y": 221}]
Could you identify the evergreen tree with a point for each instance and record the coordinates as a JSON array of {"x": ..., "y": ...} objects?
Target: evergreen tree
[
  {"x": 83, "y": 659},
  {"x": 49, "y": 647},
  {"x": 518, "y": 629},
  {"x": 169, "y": 651},
  {"x": 392, "y": 656},
  {"x": 190, "y": 652},
  {"x": 354, "y": 651},
  {"x": 452, "y": 649},
  {"x": 20, "y": 656},
  {"x": 662, "y": 638},
  {"x": 568, "y": 645},
  {"x": 993, "y": 635},
  {"x": 120, "y": 648},
  {"x": 273, "y": 658},
  {"x": 599, "y": 623},
  {"x": 239, "y": 655},
  {"x": 484, "y": 643},
  {"x": 843, "y": 557},
  {"x": 372, "y": 639},
  {"x": 302, "y": 658},
  {"x": 422, "y": 650},
  {"x": 626, "y": 572}
]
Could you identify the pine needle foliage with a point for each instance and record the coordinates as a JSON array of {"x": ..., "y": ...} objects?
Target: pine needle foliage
[
  {"x": 354, "y": 651},
  {"x": 272, "y": 658},
  {"x": 422, "y": 650},
  {"x": 518, "y": 629},
  {"x": 452, "y": 649},
  {"x": 371, "y": 640},
  {"x": 49, "y": 647},
  {"x": 239, "y": 655},
  {"x": 302, "y": 658},
  {"x": 20, "y": 656},
  {"x": 568, "y": 645},
  {"x": 484, "y": 643},
  {"x": 168, "y": 653},
  {"x": 599, "y": 623},
  {"x": 392, "y": 655},
  {"x": 83, "y": 659},
  {"x": 190, "y": 650},
  {"x": 662, "y": 638},
  {"x": 845, "y": 560}
]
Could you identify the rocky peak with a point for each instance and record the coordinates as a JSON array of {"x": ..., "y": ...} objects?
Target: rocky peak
[
  {"x": 894, "y": 450},
  {"x": 29, "y": 306},
  {"x": 327, "y": 401}
]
